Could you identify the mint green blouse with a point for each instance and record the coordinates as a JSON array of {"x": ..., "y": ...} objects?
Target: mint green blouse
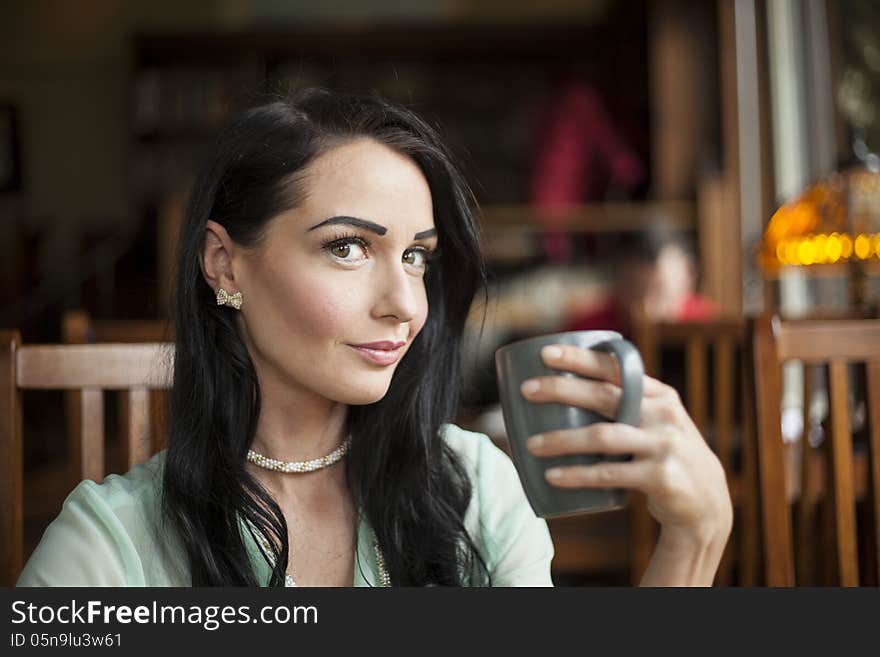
[{"x": 106, "y": 534}]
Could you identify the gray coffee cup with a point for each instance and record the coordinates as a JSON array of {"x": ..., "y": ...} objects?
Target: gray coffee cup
[{"x": 518, "y": 361}]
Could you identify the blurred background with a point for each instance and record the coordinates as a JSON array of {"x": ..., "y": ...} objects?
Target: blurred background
[{"x": 664, "y": 159}]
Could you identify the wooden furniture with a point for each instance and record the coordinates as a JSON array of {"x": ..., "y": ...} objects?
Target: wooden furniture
[
  {"x": 48, "y": 483},
  {"x": 714, "y": 390},
  {"x": 849, "y": 475},
  {"x": 78, "y": 327},
  {"x": 90, "y": 369}
]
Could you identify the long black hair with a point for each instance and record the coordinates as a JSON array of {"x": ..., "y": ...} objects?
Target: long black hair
[{"x": 402, "y": 475}]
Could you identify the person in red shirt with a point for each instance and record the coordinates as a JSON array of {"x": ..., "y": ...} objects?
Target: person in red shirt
[
  {"x": 654, "y": 275},
  {"x": 582, "y": 154}
]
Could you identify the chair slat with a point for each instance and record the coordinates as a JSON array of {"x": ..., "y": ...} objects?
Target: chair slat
[
  {"x": 642, "y": 526},
  {"x": 647, "y": 337},
  {"x": 723, "y": 386},
  {"x": 106, "y": 366},
  {"x": 92, "y": 447},
  {"x": 805, "y": 567},
  {"x": 775, "y": 517},
  {"x": 123, "y": 420},
  {"x": 873, "y": 378},
  {"x": 12, "y": 485},
  {"x": 695, "y": 360},
  {"x": 723, "y": 403},
  {"x": 750, "y": 538},
  {"x": 138, "y": 432},
  {"x": 842, "y": 465},
  {"x": 158, "y": 419}
]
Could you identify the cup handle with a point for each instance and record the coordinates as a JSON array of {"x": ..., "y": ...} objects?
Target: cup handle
[{"x": 632, "y": 373}]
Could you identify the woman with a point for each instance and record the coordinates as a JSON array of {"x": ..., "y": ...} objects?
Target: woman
[{"x": 326, "y": 266}]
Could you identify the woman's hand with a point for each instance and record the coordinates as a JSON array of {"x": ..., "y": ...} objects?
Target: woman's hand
[{"x": 672, "y": 465}]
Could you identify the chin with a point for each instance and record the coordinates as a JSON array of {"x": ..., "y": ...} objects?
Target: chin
[
  {"x": 362, "y": 399},
  {"x": 369, "y": 392}
]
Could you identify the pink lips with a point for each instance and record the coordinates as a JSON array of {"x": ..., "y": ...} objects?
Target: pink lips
[
  {"x": 380, "y": 353},
  {"x": 383, "y": 346}
]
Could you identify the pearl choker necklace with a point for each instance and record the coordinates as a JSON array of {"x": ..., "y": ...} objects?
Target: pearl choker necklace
[{"x": 299, "y": 466}]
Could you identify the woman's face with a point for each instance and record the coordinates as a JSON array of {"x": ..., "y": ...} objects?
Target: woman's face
[{"x": 344, "y": 268}]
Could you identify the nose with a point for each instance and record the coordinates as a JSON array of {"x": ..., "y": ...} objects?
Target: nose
[{"x": 396, "y": 293}]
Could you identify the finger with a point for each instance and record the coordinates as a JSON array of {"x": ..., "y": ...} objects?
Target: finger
[
  {"x": 599, "y": 396},
  {"x": 603, "y": 398},
  {"x": 662, "y": 412},
  {"x": 593, "y": 364},
  {"x": 655, "y": 387},
  {"x": 607, "y": 474},
  {"x": 599, "y": 438}
]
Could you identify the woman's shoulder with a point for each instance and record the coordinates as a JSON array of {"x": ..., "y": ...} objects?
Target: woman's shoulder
[
  {"x": 138, "y": 490},
  {"x": 490, "y": 469},
  {"x": 487, "y": 464},
  {"x": 105, "y": 534},
  {"x": 472, "y": 446},
  {"x": 515, "y": 542}
]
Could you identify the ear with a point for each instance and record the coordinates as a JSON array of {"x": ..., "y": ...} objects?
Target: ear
[{"x": 215, "y": 258}]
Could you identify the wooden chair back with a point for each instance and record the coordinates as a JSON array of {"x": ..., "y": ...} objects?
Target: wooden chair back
[
  {"x": 716, "y": 395},
  {"x": 835, "y": 344},
  {"x": 90, "y": 369},
  {"x": 78, "y": 327}
]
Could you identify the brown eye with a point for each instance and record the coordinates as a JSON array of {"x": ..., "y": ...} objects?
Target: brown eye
[
  {"x": 416, "y": 257},
  {"x": 347, "y": 249}
]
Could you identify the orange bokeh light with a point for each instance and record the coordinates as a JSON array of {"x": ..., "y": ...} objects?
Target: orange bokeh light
[
  {"x": 806, "y": 252},
  {"x": 862, "y": 247},
  {"x": 833, "y": 248},
  {"x": 846, "y": 246}
]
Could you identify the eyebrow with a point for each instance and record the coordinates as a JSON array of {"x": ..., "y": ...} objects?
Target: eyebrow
[{"x": 368, "y": 225}]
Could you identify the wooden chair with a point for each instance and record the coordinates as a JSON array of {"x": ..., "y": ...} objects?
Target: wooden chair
[
  {"x": 78, "y": 327},
  {"x": 721, "y": 405},
  {"x": 848, "y": 475},
  {"x": 90, "y": 369}
]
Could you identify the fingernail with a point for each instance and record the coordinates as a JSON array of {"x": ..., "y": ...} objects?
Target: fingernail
[
  {"x": 553, "y": 473},
  {"x": 535, "y": 442},
  {"x": 551, "y": 352},
  {"x": 529, "y": 386}
]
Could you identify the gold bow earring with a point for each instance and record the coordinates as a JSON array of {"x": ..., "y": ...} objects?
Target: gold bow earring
[{"x": 226, "y": 299}]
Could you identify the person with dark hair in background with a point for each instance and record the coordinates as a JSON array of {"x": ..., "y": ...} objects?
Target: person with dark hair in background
[
  {"x": 653, "y": 276},
  {"x": 326, "y": 267}
]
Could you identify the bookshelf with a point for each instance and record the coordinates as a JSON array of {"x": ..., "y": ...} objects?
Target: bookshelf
[{"x": 479, "y": 84}]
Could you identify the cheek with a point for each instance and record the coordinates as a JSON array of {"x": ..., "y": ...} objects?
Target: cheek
[
  {"x": 422, "y": 311},
  {"x": 318, "y": 308}
]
